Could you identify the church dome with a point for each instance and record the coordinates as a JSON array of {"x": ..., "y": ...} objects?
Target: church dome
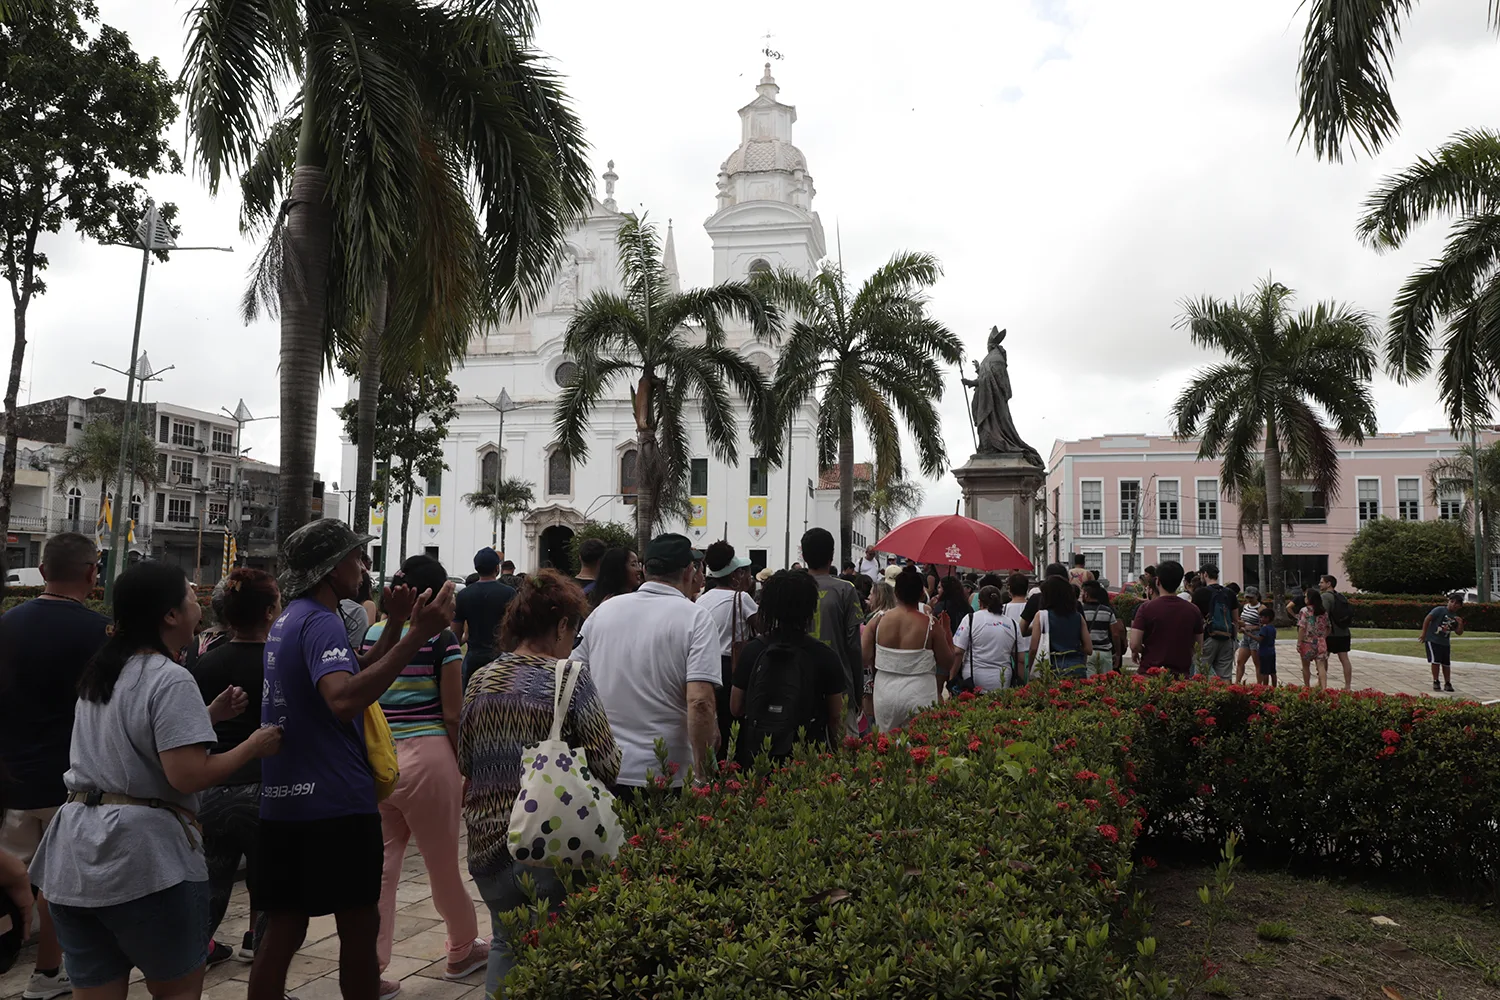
[{"x": 765, "y": 153}]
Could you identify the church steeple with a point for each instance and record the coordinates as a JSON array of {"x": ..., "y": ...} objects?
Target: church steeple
[
  {"x": 768, "y": 86},
  {"x": 669, "y": 262}
]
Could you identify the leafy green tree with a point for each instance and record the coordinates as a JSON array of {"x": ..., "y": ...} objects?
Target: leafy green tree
[
  {"x": 888, "y": 501},
  {"x": 401, "y": 104},
  {"x": 503, "y": 501},
  {"x": 1250, "y": 498},
  {"x": 1461, "y": 288},
  {"x": 872, "y": 356},
  {"x": 612, "y": 533},
  {"x": 410, "y": 427},
  {"x": 1344, "y": 76},
  {"x": 1448, "y": 476},
  {"x": 95, "y": 458},
  {"x": 1281, "y": 369},
  {"x": 1388, "y": 556},
  {"x": 673, "y": 345},
  {"x": 82, "y": 120}
]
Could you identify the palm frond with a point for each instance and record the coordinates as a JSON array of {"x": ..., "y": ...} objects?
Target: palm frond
[
  {"x": 570, "y": 416},
  {"x": 264, "y": 181},
  {"x": 1462, "y": 177},
  {"x": 1469, "y": 263},
  {"x": 1343, "y": 77}
]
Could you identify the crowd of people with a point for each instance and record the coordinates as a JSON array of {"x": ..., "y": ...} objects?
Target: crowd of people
[{"x": 147, "y": 760}]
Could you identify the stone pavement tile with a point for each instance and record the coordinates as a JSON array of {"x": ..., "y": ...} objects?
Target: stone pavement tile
[
  {"x": 411, "y": 892},
  {"x": 322, "y": 988},
  {"x": 13, "y": 983},
  {"x": 138, "y": 991},
  {"x": 231, "y": 989},
  {"x": 400, "y": 967},
  {"x": 222, "y": 973},
  {"x": 426, "y": 908},
  {"x": 422, "y": 988},
  {"x": 321, "y": 928},
  {"x": 436, "y": 970},
  {"x": 431, "y": 945},
  {"x": 304, "y": 969}
]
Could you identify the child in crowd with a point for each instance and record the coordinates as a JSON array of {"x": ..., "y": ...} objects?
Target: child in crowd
[{"x": 1265, "y": 635}]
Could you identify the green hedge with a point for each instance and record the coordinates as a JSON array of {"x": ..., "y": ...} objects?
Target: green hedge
[
  {"x": 987, "y": 851},
  {"x": 1408, "y": 613},
  {"x": 20, "y": 595}
]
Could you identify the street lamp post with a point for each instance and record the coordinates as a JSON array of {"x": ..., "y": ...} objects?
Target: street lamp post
[
  {"x": 502, "y": 404},
  {"x": 154, "y": 235}
]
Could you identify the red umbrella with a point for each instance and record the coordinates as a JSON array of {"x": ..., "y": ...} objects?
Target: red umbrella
[{"x": 954, "y": 540}]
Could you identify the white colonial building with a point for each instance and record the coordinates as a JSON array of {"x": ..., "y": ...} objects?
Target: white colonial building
[{"x": 763, "y": 219}]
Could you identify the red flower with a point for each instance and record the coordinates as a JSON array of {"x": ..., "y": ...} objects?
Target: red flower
[
  {"x": 974, "y": 744},
  {"x": 635, "y": 841},
  {"x": 1210, "y": 721},
  {"x": 850, "y": 742},
  {"x": 1391, "y": 737},
  {"x": 1093, "y": 804},
  {"x": 1064, "y": 805},
  {"x": 733, "y": 785},
  {"x": 530, "y": 938},
  {"x": 1148, "y": 861},
  {"x": 1109, "y": 833},
  {"x": 920, "y": 754},
  {"x": 1205, "y": 789},
  {"x": 1084, "y": 775},
  {"x": 1272, "y": 709},
  {"x": 760, "y": 803},
  {"x": 673, "y": 767},
  {"x": 882, "y": 744}
]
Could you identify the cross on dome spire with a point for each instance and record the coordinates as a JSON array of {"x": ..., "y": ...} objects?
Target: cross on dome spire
[{"x": 767, "y": 87}]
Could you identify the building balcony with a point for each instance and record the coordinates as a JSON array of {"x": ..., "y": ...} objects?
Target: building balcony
[
  {"x": 1167, "y": 528},
  {"x": 1208, "y": 528},
  {"x": 1091, "y": 529}
]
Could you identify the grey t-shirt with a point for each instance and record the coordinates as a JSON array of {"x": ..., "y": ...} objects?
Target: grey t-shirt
[
  {"x": 1334, "y": 631},
  {"x": 106, "y": 855}
]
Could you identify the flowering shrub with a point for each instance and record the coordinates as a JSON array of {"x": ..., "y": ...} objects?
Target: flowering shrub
[
  {"x": 986, "y": 850},
  {"x": 1408, "y": 612}
]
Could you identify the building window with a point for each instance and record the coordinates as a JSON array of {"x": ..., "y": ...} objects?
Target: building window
[
  {"x": 179, "y": 509},
  {"x": 698, "y": 480},
  {"x": 1409, "y": 499},
  {"x": 1130, "y": 569},
  {"x": 161, "y": 466},
  {"x": 184, "y": 435},
  {"x": 430, "y": 551},
  {"x": 1208, "y": 507},
  {"x": 164, "y": 429},
  {"x": 563, "y": 374},
  {"x": 75, "y": 504},
  {"x": 758, "y": 267},
  {"x": 135, "y": 507},
  {"x": 1369, "y": 500},
  {"x": 435, "y": 485},
  {"x": 161, "y": 507},
  {"x": 223, "y": 441},
  {"x": 1091, "y": 508},
  {"x": 218, "y": 474},
  {"x": 629, "y": 484},
  {"x": 760, "y": 478},
  {"x": 1451, "y": 505},
  {"x": 1168, "y": 507},
  {"x": 489, "y": 470},
  {"x": 218, "y": 512},
  {"x": 180, "y": 470},
  {"x": 1130, "y": 505},
  {"x": 1208, "y": 557},
  {"x": 1314, "y": 504},
  {"x": 1094, "y": 563},
  {"x": 559, "y": 474}
]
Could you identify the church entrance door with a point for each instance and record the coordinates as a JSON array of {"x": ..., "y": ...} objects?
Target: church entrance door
[{"x": 556, "y": 549}]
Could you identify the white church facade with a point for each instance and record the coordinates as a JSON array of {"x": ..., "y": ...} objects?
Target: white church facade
[{"x": 763, "y": 219}]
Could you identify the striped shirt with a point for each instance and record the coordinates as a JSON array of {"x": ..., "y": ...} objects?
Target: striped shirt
[
  {"x": 508, "y": 706},
  {"x": 413, "y": 704}
]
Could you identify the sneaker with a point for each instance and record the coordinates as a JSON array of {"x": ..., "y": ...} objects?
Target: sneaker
[
  {"x": 477, "y": 958},
  {"x": 46, "y": 987},
  {"x": 389, "y": 988},
  {"x": 219, "y": 953},
  {"x": 1448, "y": 686},
  {"x": 246, "y": 951},
  {"x": 1436, "y": 686}
]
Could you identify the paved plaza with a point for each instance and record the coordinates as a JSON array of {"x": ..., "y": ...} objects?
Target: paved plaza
[{"x": 419, "y": 956}]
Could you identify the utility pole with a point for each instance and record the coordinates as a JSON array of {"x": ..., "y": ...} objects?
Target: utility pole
[
  {"x": 1481, "y": 576},
  {"x": 501, "y": 405},
  {"x": 143, "y": 373},
  {"x": 154, "y": 235},
  {"x": 1135, "y": 523},
  {"x": 786, "y": 559},
  {"x": 234, "y": 512}
]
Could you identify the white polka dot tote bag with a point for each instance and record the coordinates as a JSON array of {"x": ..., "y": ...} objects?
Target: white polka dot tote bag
[{"x": 563, "y": 812}]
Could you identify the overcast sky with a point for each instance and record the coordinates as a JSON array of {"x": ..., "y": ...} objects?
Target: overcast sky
[{"x": 1079, "y": 166}]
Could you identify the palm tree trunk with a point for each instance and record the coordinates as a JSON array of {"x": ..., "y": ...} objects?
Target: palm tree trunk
[
  {"x": 12, "y": 430},
  {"x": 369, "y": 397},
  {"x": 502, "y": 519},
  {"x": 1273, "y": 517},
  {"x": 304, "y": 312},
  {"x": 103, "y": 496},
  {"x": 651, "y": 474},
  {"x": 1260, "y": 556},
  {"x": 846, "y": 490},
  {"x": 406, "y": 498}
]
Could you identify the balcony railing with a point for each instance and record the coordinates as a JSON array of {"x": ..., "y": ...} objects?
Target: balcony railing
[
  {"x": 1093, "y": 529},
  {"x": 1166, "y": 527},
  {"x": 1208, "y": 527}
]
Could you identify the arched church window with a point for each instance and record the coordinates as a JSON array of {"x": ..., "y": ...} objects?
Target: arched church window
[
  {"x": 559, "y": 474},
  {"x": 489, "y": 470},
  {"x": 563, "y": 374},
  {"x": 758, "y": 268},
  {"x": 75, "y": 503},
  {"x": 135, "y": 506},
  {"x": 629, "y": 475}
]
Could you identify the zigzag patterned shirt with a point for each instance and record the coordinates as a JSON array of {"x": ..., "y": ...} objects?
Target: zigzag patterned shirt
[{"x": 508, "y": 706}]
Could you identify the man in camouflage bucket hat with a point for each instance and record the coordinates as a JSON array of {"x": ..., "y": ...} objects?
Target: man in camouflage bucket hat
[{"x": 320, "y": 843}]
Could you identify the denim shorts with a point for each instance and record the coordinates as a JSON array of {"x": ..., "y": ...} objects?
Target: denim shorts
[
  {"x": 1249, "y": 642},
  {"x": 165, "y": 935}
]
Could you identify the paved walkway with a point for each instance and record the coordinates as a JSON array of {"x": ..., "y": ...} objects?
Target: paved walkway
[{"x": 419, "y": 955}]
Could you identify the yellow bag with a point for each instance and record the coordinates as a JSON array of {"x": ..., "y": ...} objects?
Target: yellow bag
[{"x": 380, "y": 751}]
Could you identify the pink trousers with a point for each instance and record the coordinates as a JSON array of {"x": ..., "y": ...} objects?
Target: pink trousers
[{"x": 427, "y": 804}]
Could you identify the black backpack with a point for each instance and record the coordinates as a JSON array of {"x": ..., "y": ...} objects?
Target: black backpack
[
  {"x": 779, "y": 700},
  {"x": 1341, "y": 614}
]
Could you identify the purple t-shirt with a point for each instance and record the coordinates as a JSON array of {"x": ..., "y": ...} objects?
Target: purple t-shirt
[{"x": 321, "y": 771}]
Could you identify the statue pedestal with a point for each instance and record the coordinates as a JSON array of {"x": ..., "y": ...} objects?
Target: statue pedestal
[{"x": 1000, "y": 490}]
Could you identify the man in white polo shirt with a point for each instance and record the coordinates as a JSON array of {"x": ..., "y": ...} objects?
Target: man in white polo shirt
[{"x": 654, "y": 656}]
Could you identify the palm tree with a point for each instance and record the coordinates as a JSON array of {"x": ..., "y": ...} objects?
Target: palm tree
[
  {"x": 503, "y": 500},
  {"x": 95, "y": 458},
  {"x": 887, "y": 500},
  {"x": 1449, "y": 476},
  {"x": 400, "y": 104},
  {"x": 1343, "y": 78},
  {"x": 1461, "y": 288},
  {"x": 1250, "y": 497},
  {"x": 875, "y": 356},
  {"x": 1282, "y": 368},
  {"x": 644, "y": 335}
]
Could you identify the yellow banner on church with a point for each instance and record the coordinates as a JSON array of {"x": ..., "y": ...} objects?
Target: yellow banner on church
[
  {"x": 700, "y": 512},
  {"x": 758, "y": 511},
  {"x": 432, "y": 510},
  {"x": 377, "y": 516}
]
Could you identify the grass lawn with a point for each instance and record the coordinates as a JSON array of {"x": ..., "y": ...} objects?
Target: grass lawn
[
  {"x": 1289, "y": 937},
  {"x": 1410, "y": 633},
  {"x": 1474, "y": 651}
]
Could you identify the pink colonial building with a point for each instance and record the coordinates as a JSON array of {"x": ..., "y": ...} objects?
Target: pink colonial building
[{"x": 1101, "y": 490}]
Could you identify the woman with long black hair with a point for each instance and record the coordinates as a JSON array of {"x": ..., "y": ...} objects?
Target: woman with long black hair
[
  {"x": 122, "y": 863},
  {"x": 619, "y": 573}
]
